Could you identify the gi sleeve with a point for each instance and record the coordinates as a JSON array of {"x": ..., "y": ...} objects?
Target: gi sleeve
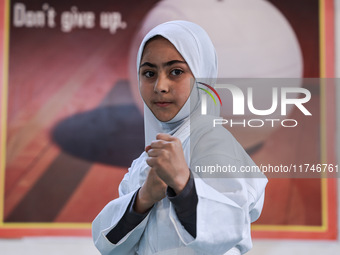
[
  {"x": 110, "y": 217},
  {"x": 185, "y": 205},
  {"x": 128, "y": 222}
]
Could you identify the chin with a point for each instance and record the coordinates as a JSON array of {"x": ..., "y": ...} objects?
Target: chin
[{"x": 164, "y": 118}]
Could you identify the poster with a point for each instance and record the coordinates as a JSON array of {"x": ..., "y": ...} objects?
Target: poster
[{"x": 68, "y": 85}]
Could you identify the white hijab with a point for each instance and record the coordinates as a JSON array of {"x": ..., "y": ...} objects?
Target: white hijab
[{"x": 195, "y": 46}]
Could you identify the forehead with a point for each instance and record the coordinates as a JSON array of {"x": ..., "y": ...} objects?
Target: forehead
[{"x": 158, "y": 47}]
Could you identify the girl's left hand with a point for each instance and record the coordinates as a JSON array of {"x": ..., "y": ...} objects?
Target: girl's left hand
[{"x": 166, "y": 157}]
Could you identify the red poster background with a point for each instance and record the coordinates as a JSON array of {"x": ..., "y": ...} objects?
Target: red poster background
[{"x": 104, "y": 178}]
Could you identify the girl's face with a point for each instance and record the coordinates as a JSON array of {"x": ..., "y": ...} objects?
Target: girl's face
[{"x": 165, "y": 79}]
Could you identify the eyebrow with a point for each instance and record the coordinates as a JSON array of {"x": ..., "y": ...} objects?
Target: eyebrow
[{"x": 170, "y": 63}]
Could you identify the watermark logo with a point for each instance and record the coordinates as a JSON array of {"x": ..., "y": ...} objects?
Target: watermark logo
[
  {"x": 280, "y": 99},
  {"x": 204, "y": 97},
  {"x": 239, "y": 99}
]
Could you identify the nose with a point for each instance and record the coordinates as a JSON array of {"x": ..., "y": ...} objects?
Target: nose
[{"x": 161, "y": 84}]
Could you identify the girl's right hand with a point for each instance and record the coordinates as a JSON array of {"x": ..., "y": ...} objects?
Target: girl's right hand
[{"x": 152, "y": 191}]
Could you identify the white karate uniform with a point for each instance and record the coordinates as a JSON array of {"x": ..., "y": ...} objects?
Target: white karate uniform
[{"x": 227, "y": 204}]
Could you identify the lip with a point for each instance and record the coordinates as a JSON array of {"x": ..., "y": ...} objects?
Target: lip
[{"x": 163, "y": 104}]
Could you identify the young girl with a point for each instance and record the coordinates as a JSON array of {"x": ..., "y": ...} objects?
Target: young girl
[{"x": 162, "y": 208}]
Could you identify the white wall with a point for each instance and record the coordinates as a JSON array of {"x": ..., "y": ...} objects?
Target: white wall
[{"x": 48, "y": 246}]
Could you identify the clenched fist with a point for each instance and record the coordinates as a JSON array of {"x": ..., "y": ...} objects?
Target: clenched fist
[
  {"x": 168, "y": 168},
  {"x": 166, "y": 158}
]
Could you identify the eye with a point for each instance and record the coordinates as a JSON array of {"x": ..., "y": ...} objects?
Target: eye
[
  {"x": 148, "y": 74},
  {"x": 176, "y": 72}
]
